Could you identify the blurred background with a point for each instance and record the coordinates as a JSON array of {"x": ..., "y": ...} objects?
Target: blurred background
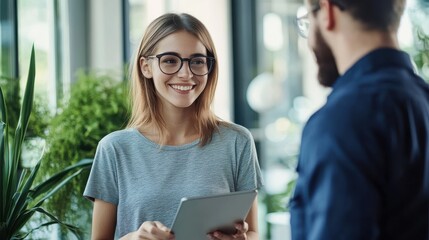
[{"x": 267, "y": 83}]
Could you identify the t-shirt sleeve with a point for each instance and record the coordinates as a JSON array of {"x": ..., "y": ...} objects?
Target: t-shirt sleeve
[
  {"x": 249, "y": 173},
  {"x": 102, "y": 182}
]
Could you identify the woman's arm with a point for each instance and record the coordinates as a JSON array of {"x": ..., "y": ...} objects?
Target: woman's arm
[
  {"x": 104, "y": 224},
  {"x": 150, "y": 230},
  {"x": 252, "y": 221},
  {"x": 103, "y": 220}
]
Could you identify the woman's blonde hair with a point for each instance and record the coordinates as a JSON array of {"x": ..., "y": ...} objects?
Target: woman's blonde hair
[{"x": 145, "y": 106}]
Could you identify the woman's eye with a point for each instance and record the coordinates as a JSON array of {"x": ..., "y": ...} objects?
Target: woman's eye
[
  {"x": 170, "y": 61},
  {"x": 198, "y": 61}
]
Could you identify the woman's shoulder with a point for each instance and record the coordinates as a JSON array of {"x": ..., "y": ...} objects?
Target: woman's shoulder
[
  {"x": 118, "y": 136},
  {"x": 230, "y": 128}
]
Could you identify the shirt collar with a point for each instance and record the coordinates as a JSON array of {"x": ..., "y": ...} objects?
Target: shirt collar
[{"x": 373, "y": 61}]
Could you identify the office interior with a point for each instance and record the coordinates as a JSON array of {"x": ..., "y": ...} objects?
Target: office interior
[{"x": 267, "y": 73}]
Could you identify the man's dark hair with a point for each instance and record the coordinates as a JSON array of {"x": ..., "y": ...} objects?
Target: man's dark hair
[{"x": 382, "y": 15}]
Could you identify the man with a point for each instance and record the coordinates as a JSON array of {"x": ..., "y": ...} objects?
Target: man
[{"x": 364, "y": 158}]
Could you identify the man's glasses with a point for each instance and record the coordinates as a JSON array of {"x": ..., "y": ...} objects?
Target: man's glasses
[
  {"x": 302, "y": 21},
  {"x": 171, "y": 63}
]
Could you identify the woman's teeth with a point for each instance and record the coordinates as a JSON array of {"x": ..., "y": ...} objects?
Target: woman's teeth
[{"x": 182, "y": 88}]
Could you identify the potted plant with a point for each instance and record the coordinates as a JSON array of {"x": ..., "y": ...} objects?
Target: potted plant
[{"x": 20, "y": 199}]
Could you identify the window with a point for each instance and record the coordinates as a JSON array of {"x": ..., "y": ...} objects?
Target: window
[{"x": 35, "y": 26}]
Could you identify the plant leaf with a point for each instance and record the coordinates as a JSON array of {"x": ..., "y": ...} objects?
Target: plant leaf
[
  {"x": 23, "y": 236},
  {"x": 27, "y": 105},
  {"x": 21, "y": 128},
  {"x": 4, "y": 161},
  {"x": 57, "y": 187},
  {"x": 3, "y": 108},
  {"x": 75, "y": 230},
  {"x": 23, "y": 178},
  {"x": 24, "y": 187},
  {"x": 17, "y": 223},
  {"x": 21, "y": 203},
  {"x": 4, "y": 166},
  {"x": 46, "y": 185}
]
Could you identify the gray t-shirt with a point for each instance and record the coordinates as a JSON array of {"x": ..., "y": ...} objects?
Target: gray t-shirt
[{"x": 146, "y": 182}]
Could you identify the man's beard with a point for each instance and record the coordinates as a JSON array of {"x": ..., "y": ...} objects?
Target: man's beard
[{"x": 328, "y": 71}]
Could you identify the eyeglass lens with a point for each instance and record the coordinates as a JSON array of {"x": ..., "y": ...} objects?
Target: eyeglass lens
[
  {"x": 170, "y": 64},
  {"x": 303, "y": 25},
  {"x": 302, "y": 21}
]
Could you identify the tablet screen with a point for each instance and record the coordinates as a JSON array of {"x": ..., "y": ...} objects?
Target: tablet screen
[{"x": 198, "y": 216}]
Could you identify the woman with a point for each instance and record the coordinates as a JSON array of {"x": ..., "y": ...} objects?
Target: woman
[{"x": 174, "y": 145}]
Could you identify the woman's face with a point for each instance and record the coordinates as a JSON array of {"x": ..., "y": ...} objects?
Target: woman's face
[{"x": 180, "y": 89}]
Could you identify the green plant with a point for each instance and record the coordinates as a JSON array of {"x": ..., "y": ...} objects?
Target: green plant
[
  {"x": 19, "y": 198},
  {"x": 278, "y": 202},
  {"x": 421, "y": 58},
  {"x": 40, "y": 115},
  {"x": 97, "y": 105},
  {"x": 11, "y": 95},
  {"x": 420, "y": 48}
]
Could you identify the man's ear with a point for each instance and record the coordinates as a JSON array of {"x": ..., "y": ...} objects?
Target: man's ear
[
  {"x": 329, "y": 17},
  {"x": 145, "y": 68}
]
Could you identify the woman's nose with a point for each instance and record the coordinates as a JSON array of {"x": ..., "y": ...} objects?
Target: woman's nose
[{"x": 185, "y": 70}]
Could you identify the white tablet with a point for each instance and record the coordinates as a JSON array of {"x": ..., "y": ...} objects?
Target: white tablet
[{"x": 198, "y": 216}]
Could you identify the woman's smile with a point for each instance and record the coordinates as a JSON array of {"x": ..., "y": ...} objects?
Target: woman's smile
[{"x": 182, "y": 88}]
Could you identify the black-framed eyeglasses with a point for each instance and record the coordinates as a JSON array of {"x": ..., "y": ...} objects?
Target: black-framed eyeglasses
[
  {"x": 171, "y": 63},
  {"x": 302, "y": 20}
]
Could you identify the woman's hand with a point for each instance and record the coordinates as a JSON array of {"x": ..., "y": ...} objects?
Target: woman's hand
[
  {"x": 242, "y": 228},
  {"x": 150, "y": 231}
]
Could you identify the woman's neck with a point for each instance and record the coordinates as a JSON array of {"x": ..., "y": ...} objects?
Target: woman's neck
[{"x": 180, "y": 127}]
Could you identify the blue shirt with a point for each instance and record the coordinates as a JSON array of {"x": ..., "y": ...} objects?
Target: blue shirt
[{"x": 364, "y": 158}]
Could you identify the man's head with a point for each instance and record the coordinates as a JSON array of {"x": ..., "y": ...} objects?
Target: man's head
[
  {"x": 368, "y": 15},
  {"x": 381, "y": 15}
]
